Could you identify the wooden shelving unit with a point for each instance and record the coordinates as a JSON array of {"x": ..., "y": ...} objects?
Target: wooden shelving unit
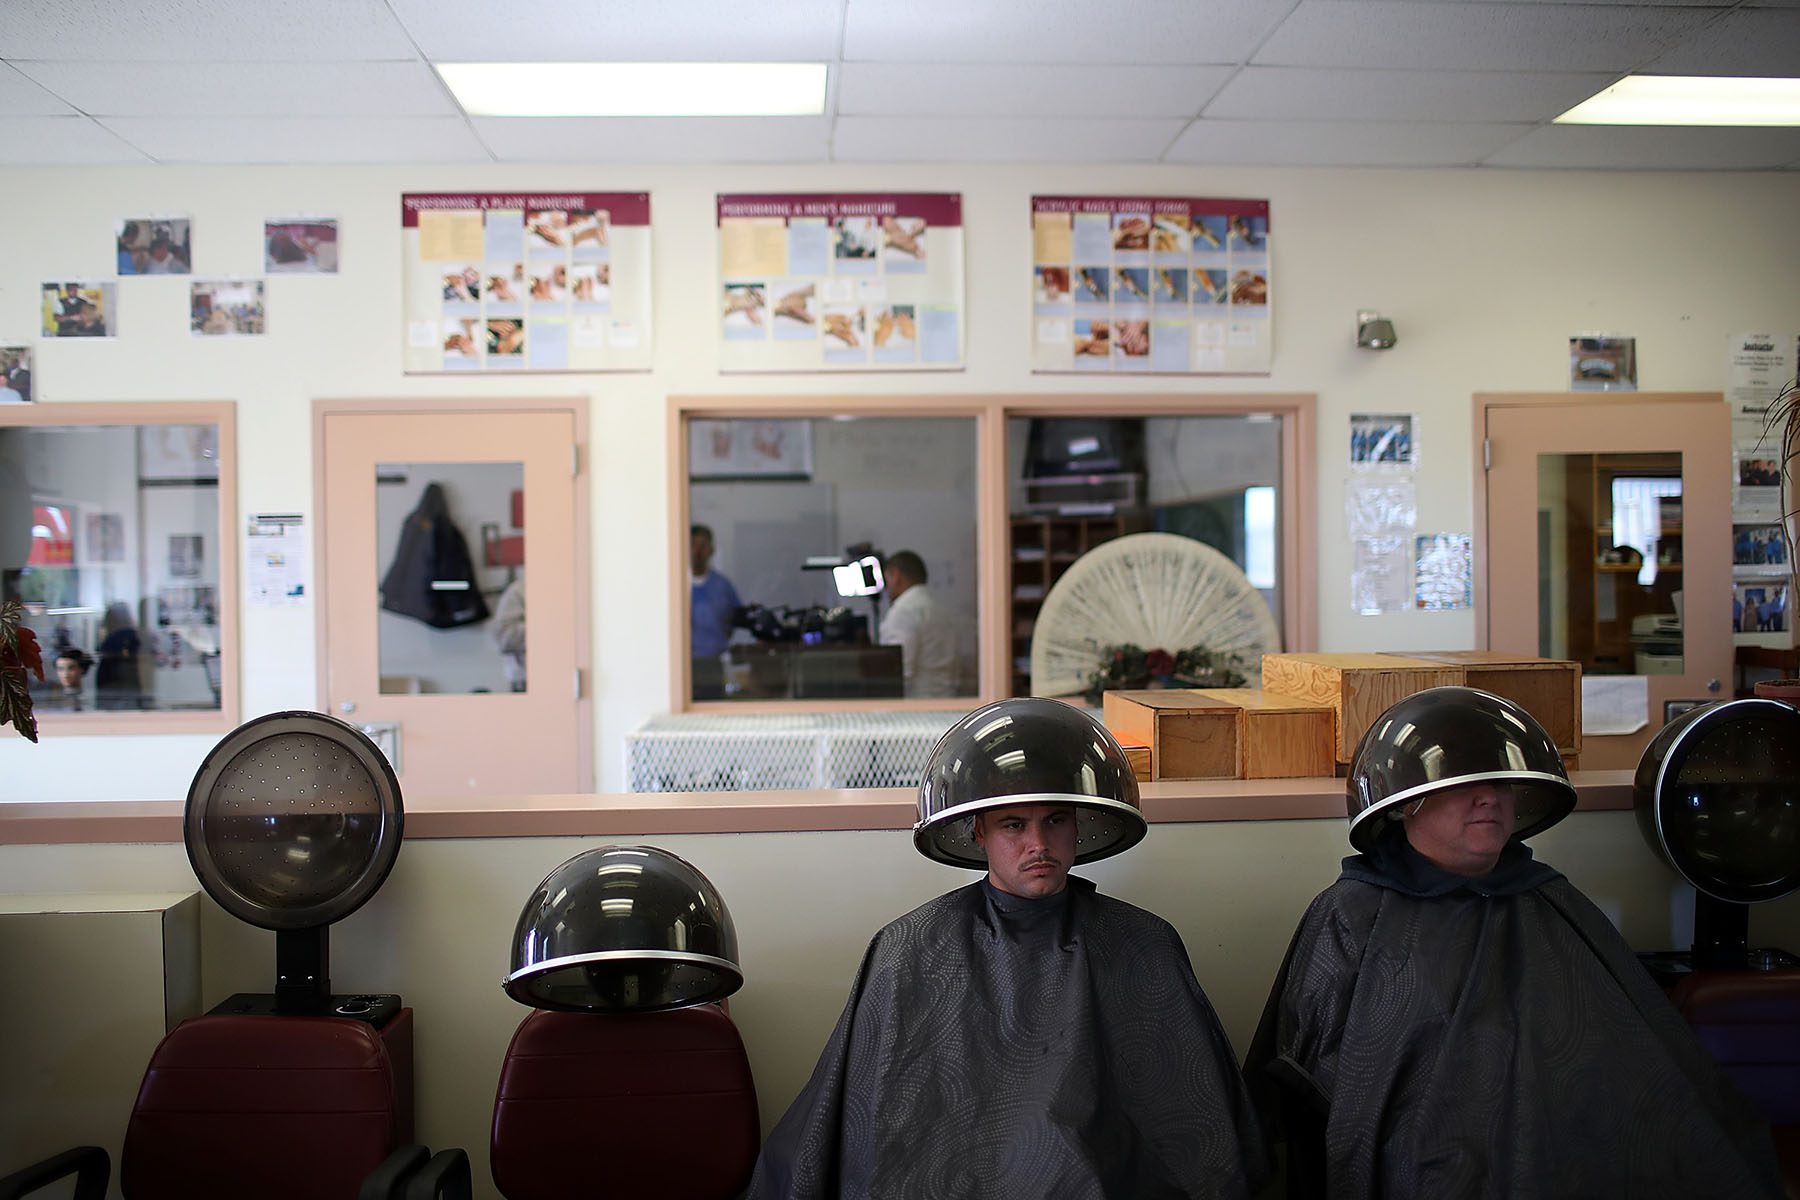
[{"x": 1043, "y": 548}]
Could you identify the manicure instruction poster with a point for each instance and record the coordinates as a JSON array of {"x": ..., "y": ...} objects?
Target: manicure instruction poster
[
  {"x": 526, "y": 282},
  {"x": 841, "y": 282},
  {"x": 1153, "y": 284}
]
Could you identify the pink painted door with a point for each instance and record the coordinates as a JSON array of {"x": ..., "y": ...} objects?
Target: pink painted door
[
  {"x": 1608, "y": 541},
  {"x": 427, "y": 583}
]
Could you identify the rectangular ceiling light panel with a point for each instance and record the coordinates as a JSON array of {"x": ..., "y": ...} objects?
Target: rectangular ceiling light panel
[
  {"x": 637, "y": 89},
  {"x": 1690, "y": 100}
]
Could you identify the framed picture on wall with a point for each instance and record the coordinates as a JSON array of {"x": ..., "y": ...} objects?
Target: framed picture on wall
[
  {"x": 105, "y": 538},
  {"x": 749, "y": 449},
  {"x": 186, "y": 551}
]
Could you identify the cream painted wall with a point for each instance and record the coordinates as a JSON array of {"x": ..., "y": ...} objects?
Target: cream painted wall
[
  {"x": 1485, "y": 274},
  {"x": 805, "y": 905}
]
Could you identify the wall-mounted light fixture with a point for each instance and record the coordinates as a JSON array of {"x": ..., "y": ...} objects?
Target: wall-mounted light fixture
[{"x": 1373, "y": 331}]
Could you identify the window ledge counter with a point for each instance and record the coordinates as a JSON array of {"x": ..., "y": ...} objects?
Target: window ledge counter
[{"x": 651, "y": 813}]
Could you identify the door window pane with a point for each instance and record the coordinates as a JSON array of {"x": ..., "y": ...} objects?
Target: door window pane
[
  {"x": 450, "y": 549},
  {"x": 1076, "y": 483},
  {"x": 1610, "y": 562},
  {"x": 112, "y": 539},
  {"x": 777, "y": 505}
]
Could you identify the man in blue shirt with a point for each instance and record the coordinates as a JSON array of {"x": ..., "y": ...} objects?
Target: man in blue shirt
[{"x": 714, "y": 601}]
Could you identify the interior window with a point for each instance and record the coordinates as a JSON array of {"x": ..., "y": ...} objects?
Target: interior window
[
  {"x": 832, "y": 558},
  {"x": 1078, "y": 482},
  {"x": 113, "y": 540}
]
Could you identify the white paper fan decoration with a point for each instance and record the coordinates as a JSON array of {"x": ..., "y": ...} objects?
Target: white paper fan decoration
[{"x": 1154, "y": 590}]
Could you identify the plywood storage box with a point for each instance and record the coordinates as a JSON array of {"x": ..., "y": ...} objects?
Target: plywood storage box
[
  {"x": 1358, "y": 687},
  {"x": 1280, "y": 737},
  {"x": 1137, "y": 753},
  {"x": 1190, "y": 736},
  {"x": 1547, "y": 688}
]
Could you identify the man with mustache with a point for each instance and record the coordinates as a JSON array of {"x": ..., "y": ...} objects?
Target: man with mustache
[
  {"x": 1455, "y": 1018},
  {"x": 1023, "y": 1036}
]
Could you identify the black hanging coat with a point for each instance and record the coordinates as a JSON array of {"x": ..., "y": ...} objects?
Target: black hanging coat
[
  {"x": 998, "y": 1048},
  {"x": 432, "y": 577},
  {"x": 1433, "y": 1035}
]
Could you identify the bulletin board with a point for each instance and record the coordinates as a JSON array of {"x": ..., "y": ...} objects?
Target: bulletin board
[{"x": 526, "y": 282}]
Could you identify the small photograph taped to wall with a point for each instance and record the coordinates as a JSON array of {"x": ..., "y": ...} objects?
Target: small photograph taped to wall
[
  {"x": 1602, "y": 363},
  {"x": 1759, "y": 472},
  {"x": 155, "y": 246},
  {"x": 15, "y": 374},
  {"x": 226, "y": 308},
  {"x": 300, "y": 246},
  {"x": 1759, "y": 606},
  {"x": 1383, "y": 441},
  {"x": 80, "y": 309},
  {"x": 1758, "y": 546}
]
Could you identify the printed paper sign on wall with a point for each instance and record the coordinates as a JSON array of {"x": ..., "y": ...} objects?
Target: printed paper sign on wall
[
  {"x": 1133, "y": 283},
  {"x": 841, "y": 282},
  {"x": 508, "y": 282}
]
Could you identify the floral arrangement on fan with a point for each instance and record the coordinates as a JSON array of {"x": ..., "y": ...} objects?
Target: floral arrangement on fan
[
  {"x": 1130, "y": 667},
  {"x": 20, "y": 655}
]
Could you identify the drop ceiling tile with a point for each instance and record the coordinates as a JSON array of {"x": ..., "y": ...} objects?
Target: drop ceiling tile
[
  {"x": 1335, "y": 143},
  {"x": 60, "y": 141},
  {"x": 390, "y": 89},
  {"x": 244, "y": 140},
  {"x": 200, "y": 30},
  {"x": 1021, "y": 90},
  {"x": 656, "y": 140},
  {"x": 1650, "y": 148},
  {"x": 1000, "y": 139},
  {"x": 624, "y": 30},
  {"x": 1056, "y": 31},
  {"x": 1763, "y": 41},
  {"x": 1338, "y": 94},
  {"x": 1476, "y": 36},
  {"x": 22, "y": 97}
]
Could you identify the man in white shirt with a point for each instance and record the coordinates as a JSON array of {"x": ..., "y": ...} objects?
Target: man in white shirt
[{"x": 926, "y": 637}]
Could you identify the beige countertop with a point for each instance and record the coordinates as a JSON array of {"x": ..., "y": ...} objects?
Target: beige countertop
[{"x": 641, "y": 813}]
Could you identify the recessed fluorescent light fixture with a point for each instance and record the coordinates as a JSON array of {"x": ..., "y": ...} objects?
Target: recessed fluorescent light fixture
[
  {"x": 1690, "y": 100},
  {"x": 637, "y": 89}
]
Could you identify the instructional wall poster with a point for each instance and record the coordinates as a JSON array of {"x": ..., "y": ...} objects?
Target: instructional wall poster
[
  {"x": 526, "y": 282},
  {"x": 841, "y": 282},
  {"x": 1161, "y": 285}
]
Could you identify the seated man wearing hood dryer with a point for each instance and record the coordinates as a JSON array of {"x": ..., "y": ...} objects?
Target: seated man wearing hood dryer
[
  {"x": 1455, "y": 1019},
  {"x": 1023, "y": 1036}
]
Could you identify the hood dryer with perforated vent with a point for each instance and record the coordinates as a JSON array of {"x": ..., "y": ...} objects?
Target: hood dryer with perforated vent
[
  {"x": 1718, "y": 799},
  {"x": 292, "y": 823}
]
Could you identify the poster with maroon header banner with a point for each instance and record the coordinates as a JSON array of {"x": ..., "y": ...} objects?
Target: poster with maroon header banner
[
  {"x": 1155, "y": 285},
  {"x": 500, "y": 282},
  {"x": 841, "y": 282}
]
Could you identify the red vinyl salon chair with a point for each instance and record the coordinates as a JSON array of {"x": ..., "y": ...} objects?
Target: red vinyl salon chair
[{"x": 630, "y": 1080}]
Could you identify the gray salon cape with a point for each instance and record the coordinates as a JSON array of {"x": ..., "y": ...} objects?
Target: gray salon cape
[
  {"x": 1434, "y": 1035},
  {"x": 995, "y": 1047}
]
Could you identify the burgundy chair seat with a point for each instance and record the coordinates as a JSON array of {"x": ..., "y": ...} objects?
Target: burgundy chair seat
[
  {"x": 625, "y": 1105},
  {"x": 280, "y": 1108},
  {"x": 1750, "y": 1022}
]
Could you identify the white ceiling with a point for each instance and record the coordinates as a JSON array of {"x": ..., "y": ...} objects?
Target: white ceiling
[{"x": 1266, "y": 82}]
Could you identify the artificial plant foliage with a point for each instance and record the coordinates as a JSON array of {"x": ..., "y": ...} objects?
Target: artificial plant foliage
[{"x": 20, "y": 657}]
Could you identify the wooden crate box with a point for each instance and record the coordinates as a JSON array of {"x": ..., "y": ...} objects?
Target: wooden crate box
[
  {"x": 1547, "y": 688},
  {"x": 1280, "y": 737},
  {"x": 1137, "y": 753},
  {"x": 1359, "y": 687},
  {"x": 1190, "y": 736}
]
